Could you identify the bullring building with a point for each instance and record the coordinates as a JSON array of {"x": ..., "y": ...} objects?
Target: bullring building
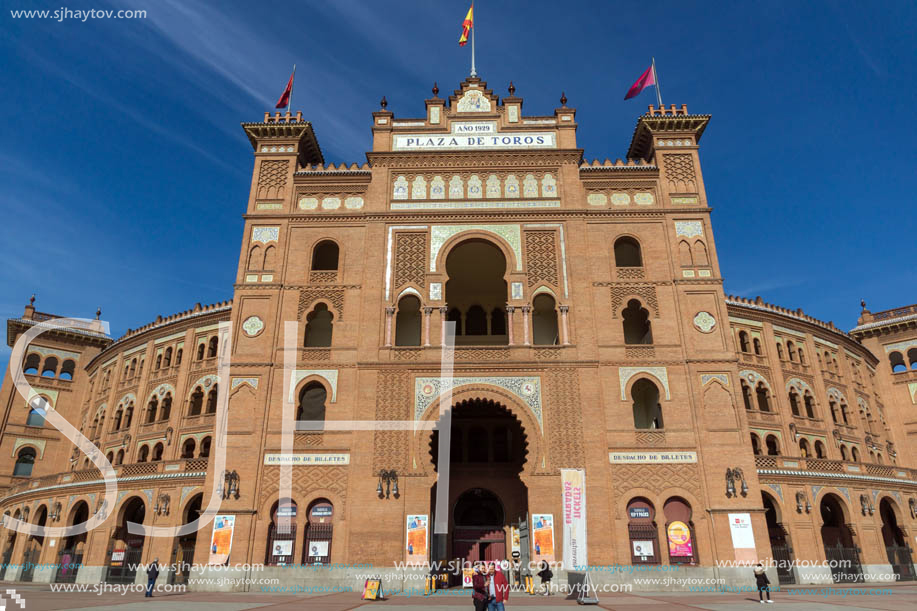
[{"x": 610, "y": 404}]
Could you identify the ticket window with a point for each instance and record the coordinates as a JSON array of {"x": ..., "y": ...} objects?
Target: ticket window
[
  {"x": 642, "y": 532},
  {"x": 282, "y": 535},
  {"x": 319, "y": 533}
]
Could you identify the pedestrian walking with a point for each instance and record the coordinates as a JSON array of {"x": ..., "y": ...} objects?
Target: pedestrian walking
[
  {"x": 546, "y": 574},
  {"x": 499, "y": 589},
  {"x": 480, "y": 587},
  {"x": 763, "y": 584},
  {"x": 152, "y": 574}
]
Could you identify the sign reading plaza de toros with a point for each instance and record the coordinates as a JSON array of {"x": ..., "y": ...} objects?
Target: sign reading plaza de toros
[{"x": 474, "y": 135}]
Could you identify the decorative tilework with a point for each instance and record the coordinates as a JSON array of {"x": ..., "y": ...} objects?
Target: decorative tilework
[
  {"x": 516, "y": 290},
  {"x": 548, "y": 186},
  {"x": 912, "y": 389},
  {"x": 815, "y": 490},
  {"x": 436, "y": 291},
  {"x": 353, "y": 203},
  {"x": 660, "y": 373},
  {"x": 689, "y": 229},
  {"x": 329, "y": 375},
  {"x": 474, "y": 187},
  {"x": 846, "y": 493},
  {"x": 65, "y": 354},
  {"x": 800, "y": 385},
  {"x": 473, "y": 101},
  {"x": 511, "y": 186},
  {"x": 419, "y": 188},
  {"x": 252, "y": 326},
  {"x": 527, "y": 389},
  {"x": 777, "y": 488},
  {"x": 753, "y": 377},
  {"x": 620, "y": 199},
  {"x": 902, "y": 346},
  {"x": 265, "y": 234},
  {"x": 331, "y": 203},
  {"x": 597, "y": 199},
  {"x": 236, "y": 382},
  {"x": 466, "y": 205},
  {"x": 441, "y": 233},
  {"x": 400, "y": 190},
  {"x": 836, "y": 394},
  {"x": 456, "y": 188},
  {"x": 709, "y": 377},
  {"x": 437, "y": 188},
  {"x": 644, "y": 199},
  {"x": 435, "y": 115},
  {"x": 185, "y": 491},
  {"x": 704, "y": 321}
]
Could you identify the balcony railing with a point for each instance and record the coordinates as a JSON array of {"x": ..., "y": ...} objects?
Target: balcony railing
[{"x": 827, "y": 465}]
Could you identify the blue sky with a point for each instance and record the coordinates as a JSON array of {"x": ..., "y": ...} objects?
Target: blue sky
[{"x": 125, "y": 173}]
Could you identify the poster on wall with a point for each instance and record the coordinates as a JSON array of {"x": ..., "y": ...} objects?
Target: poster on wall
[
  {"x": 283, "y": 548},
  {"x": 318, "y": 549},
  {"x": 679, "y": 536},
  {"x": 743, "y": 537},
  {"x": 573, "y": 486},
  {"x": 643, "y": 549},
  {"x": 543, "y": 536},
  {"x": 221, "y": 539},
  {"x": 516, "y": 543},
  {"x": 416, "y": 545},
  {"x": 467, "y": 577}
]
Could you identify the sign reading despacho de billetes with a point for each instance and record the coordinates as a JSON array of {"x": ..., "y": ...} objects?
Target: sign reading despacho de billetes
[
  {"x": 652, "y": 457},
  {"x": 307, "y": 459}
]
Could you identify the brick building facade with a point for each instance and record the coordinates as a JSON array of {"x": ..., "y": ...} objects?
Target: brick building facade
[{"x": 591, "y": 334}]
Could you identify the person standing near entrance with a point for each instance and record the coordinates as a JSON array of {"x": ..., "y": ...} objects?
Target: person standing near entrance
[
  {"x": 763, "y": 584},
  {"x": 152, "y": 574},
  {"x": 480, "y": 587},
  {"x": 546, "y": 574},
  {"x": 499, "y": 589}
]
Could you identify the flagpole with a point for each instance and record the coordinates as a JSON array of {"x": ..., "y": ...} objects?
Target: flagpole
[
  {"x": 656, "y": 78},
  {"x": 473, "y": 71},
  {"x": 293, "y": 82}
]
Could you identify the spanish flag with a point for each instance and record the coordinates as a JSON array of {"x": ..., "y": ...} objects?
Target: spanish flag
[{"x": 466, "y": 26}]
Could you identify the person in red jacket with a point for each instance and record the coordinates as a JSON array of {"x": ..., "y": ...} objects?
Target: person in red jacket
[
  {"x": 480, "y": 587},
  {"x": 499, "y": 588}
]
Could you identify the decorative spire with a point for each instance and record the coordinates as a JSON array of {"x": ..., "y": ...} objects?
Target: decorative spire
[
  {"x": 512, "y": 88},
  {"x": 98, "y": 313},
  {"x": 863, "y": 304},
  {"x": 383, "y": 103},
  {"x": 32, "y": 300},
  {"x": 563, "y": 99},
  {"x": 435, "y": 89}
]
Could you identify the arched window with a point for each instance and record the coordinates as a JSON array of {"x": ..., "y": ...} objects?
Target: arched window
[
  {"x": 37, "y": 410},
  {"x": 187, "y": 448},
  {"x": 755, "y": 445},
  {"x": 802, "y": 356},
  {"x": 700, "y": 253},
  {"x": 50, "y": 368},
  {"x": 312, "y": 405},
  {"x": 844, "y": 412},
  {"x": 762, "y": 396},
  {"x": 779, "y": 351},
  {"x": 25, "y": 460},
  {"x": 844, "y": 453},
  {"x": 116, "y": 423},
  {"x": 475, "y": 321},
  {"x": 119, "y": 458},
  {"x": 158, "y": 364},
  {"x": 32, "y": 363},
  {"x": 110, "y": 457},
  {"x": 254, "y": 258},
  {"x": 854, "y": 454},
  {"x": 212, "y": 347},
  {"x": 791, "y": 350},
  {"x": 685, "y": 258},
  {"x": 757, "y": 344},
  {"x": 896, "y": 360},
  {"x": 746, "y": 394},
  {"x": 151, "y": 408},
  {"x": 498, "y": 321},
  {"x": 794, "y": 402},
  {"x": 833, "y": 407},
  {"x": 879, "y": 458},
  {"x": 407, "y": 322},
  {"x": 810, "y": 405},
  {"x": 166, "y": 409},
  {"x": 647, "y": 409},
  {"x": 819, "y": 450},
  {"x": 144, "y": 454},
  {"x": 67, "y": 370},
  {"x": 133, "y": 368},
  {"x": 157, "y": 452},
  {"x": 627, "y": 253},
  {"x": 212, "y": 400},
  {"x": 637, "y": 328},
  {"x": 269, "y": 258},
  {"x": 128, "y": 416},
  {"x": 197, "y": 402},
  {"x": 178, "y": 357},
  {"x": 743, "y": 341},
  {"x": 167, "y": 358},
  {"x": 204, "y": 451},
  {"x": 912, "y": 357},
  {"x": 455, "y": 316},
  {"x": 544, "y": 321},
  {"x": 319, "y": 327},
  {"x": 325, "y": 256},
  {"x": 803, "y": 448},
  {"x": 773, "y": 447},
  {"x": 200, "y": 351}
]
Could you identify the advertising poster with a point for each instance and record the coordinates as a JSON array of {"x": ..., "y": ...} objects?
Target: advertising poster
[
  {"x": 372, "y": 589},
  {"x": 467, "y": 575},
  {"x": 516, "y": 548},
  {"x": 679, "y": 536},
  {"x": 318, "y": 549},
  {"x": 283, "y": 548},
  {"x": 573, "y": 485},
  {"x": 543, "y": 536},
  {"x": 643, "y": 549},
  {"x": 221, "y": 539},
  {"x": 117, "y": 557},
  {"x": 743, "y": 537},
  {"x": 416, "y": 546}
]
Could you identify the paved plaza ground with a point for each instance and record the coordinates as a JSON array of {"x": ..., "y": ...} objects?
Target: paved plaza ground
[{"x": 851, "y": 598}]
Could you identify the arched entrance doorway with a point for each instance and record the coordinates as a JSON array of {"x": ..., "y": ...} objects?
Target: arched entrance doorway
[
  {"x": 33, "y": 545},
  {"x": 183, "y": 548},
  {"x": 780, "y": 545},
  {"x": 896, "y": 547},
  {"x": 125, "y": 552},
  {"x": 70, "y": 557},
  {"x": 487, "y": 498},
  {"x": 319, "y": 532},
  {"x": 841, "y": 552},
  {"x": 476, "y": 293},
  {"x": 281, "y": 534}
]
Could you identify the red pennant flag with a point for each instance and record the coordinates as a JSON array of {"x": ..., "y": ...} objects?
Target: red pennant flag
[
  {"x": 646, "y": 79},
  {"x": 285, "y": 96}
]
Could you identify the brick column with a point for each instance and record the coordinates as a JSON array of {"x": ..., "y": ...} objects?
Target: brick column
[
  {"x": 443, "y": 310},
  {"x": 427, "y": 312},
  {"x": 525, "y": 324},
  {"x": 565, "y": 338},
  {"x": 389, "y": 313},
  {"x": 509, "y": 322}
]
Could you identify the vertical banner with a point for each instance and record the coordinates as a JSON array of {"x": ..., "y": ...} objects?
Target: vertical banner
[
  {"x": 417, "y": 538},
  {"x": 543, "y": 536},
  {"x": 743, "y": 537},
  {"x": 573, "y": 483},
  {"x": 221, "y": 539}
]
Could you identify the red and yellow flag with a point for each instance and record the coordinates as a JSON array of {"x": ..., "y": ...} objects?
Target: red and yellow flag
[{"x": 467, "y": 25}]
